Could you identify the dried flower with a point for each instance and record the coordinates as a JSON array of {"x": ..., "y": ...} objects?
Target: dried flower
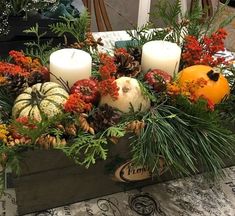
[
  {"x": 109, "y": 87},
  {"x": 76, "y": 104},
  {"x": 120, "y": 51},
  {"x": 7, "y": 68},
  {"x": 107, "y": 68},
  {"x": 3, "y": 133},
  {"x": 90, "y": 41},
  {"x": 27, "y": 122},
  {"x": 187, "y": 89},
  {"x": 25, "y": 62}
]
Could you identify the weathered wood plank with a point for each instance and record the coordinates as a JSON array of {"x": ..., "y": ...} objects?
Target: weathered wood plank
[{"x": 49, "y": 179}]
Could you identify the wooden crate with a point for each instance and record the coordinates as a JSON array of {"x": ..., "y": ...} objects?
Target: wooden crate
[{"x": 49, "y": 179}]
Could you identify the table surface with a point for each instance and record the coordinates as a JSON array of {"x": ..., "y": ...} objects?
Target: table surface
[{"x": 109, "y": 38}]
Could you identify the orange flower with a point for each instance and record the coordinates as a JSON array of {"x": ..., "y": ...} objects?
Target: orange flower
[
  {"x": 7, "y": 68},
  {"x": 187, "y": 89},
  {"x": 76, "y": 104},
  {"x": 120, "y": 51},
  {"x": 173, "y": 89},
  {"x": 108, "y": 67},
  {"x": 20, "y": 58},
  {"x": 109, "y": 87},
  {"x": 202, "y": 51},
  {"x": 25, "y": 62}
]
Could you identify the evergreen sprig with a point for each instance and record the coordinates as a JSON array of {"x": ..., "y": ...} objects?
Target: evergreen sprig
[
  {"x": 37, "y": 49},
  {"x": 13, "y": 155},
  {"x": 86, "y": 148},
  {"x": 45, "y": 126},
  {"x": 146, "y": 33},
  {"x": 6, "y": 104},
  {"x": 227, "y": 111},
  {"x": 74, "y": 26},
  {"x": 177, "y": 25},
  {"x": 185, "y": 142},
  {"x": 117, "y": 131},
  {"x": 170, "y": 14}
]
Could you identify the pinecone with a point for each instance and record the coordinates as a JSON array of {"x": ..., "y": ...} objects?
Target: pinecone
[
  {"x": 136, "y": 52},
  {"x": 35, "y": 77},
  {"x": 104, "y": 117},
  {"x": 126, "y": 65},
  {"x": 15, "y": 84}
]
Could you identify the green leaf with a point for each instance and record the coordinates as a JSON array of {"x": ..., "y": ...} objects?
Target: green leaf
[
  {"x": 86, "y": 149},
  {"x": 115, "y": 131},
  {"x": 75, "y": 27},
  {"x": 39, "y": 50}
]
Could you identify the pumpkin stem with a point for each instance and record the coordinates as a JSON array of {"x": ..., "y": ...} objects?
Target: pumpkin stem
[
  {"x": 36, "y": 96},
  {"x": 213, "y": 76}
]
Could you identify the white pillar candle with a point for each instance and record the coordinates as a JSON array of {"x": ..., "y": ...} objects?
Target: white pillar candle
[
  {"x": 70, "y": 65},
  {"x": 162, "y": 55}
]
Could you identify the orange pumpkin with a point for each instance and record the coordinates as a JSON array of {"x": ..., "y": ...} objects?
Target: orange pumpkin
[{"x": 217, "y": 86}]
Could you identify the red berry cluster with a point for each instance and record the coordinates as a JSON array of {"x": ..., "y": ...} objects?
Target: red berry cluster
[{"x": 203, "y": 51}]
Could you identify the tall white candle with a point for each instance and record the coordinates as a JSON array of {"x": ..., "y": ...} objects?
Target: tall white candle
[
  {"x": 162, "y": 55},
  {"x": 70, "y": 65}
]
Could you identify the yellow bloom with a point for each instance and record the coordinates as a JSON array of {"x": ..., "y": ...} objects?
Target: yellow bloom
[{"x": 3, "y": 132}]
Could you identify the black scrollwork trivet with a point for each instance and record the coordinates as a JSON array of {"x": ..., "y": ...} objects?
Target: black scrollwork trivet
[
  {"x": 109, "y": 206},
  {"x": 10, "y": 197},
  {"x": 46, "y": 213},
  {"x": 144, "y": 204}
]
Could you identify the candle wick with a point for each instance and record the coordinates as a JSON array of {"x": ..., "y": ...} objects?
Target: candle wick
[{"x": 73, "y": 54}]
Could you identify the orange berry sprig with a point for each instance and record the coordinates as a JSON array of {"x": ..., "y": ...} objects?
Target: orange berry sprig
[{"x": 188, "y": 89}]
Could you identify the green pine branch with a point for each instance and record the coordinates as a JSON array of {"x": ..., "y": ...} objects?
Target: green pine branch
[
  {"x": 75, "y": 27},
  {"x": 185, "y": 142},
  {"x": 177, "y": 25},
  {"x": 6, "y": 104},
  {"x": 37, "y": 49},
  {"x": 14, "y": 156},
  {"x": 85, "y": 149},
  {"x": 45, "y": 126},
  {"x": 146, "y": 33}
]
